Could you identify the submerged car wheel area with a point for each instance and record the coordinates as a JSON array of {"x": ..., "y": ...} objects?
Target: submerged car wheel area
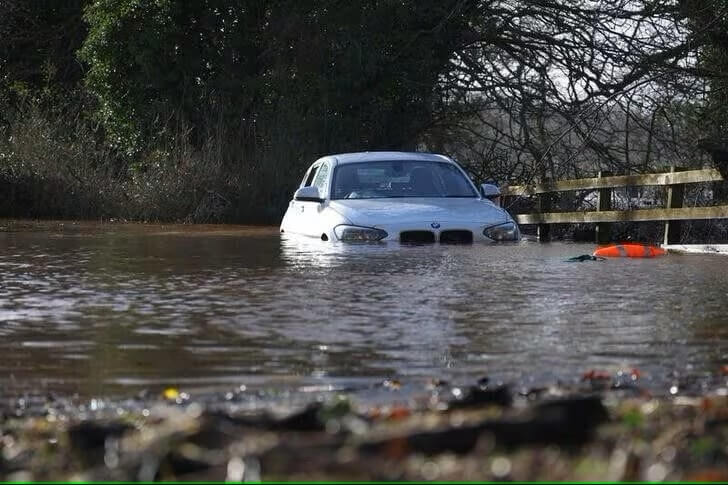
[{"x": 396, "y": 196}]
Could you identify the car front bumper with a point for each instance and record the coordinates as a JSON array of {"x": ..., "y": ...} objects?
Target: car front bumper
[{"x": 434, "y": 232}]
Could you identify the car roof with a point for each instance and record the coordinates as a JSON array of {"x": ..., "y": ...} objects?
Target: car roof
[{"x": 343, "y": 158}]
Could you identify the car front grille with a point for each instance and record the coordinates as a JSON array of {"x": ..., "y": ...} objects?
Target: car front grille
[
  {"x": 456, "y": 237},
  {"x": 446, "y": 237},
  {"x": 417, "y": 237}
]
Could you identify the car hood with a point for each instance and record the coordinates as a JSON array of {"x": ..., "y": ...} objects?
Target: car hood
[{"x": 374, "y": 212}]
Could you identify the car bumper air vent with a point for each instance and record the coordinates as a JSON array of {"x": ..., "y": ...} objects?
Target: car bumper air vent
[
  {"x": 417, "y": 237},
  {"x": 456, "y": 237}
]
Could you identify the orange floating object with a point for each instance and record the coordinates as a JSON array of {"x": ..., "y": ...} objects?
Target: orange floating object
[{"x": 629, "y": 251}]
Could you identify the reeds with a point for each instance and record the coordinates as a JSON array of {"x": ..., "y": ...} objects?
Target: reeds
[{"x": 55, "y": 163}]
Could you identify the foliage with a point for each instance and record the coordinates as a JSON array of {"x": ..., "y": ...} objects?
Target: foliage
[
  {"x": 39, "y": 43},
  {"x": 709, "y": 22},
  {"x": 208, "y": 110},
  {"x": 350, "y": 76}
]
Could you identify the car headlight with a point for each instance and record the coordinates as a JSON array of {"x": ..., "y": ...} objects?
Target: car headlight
[
  {"x": 502, "y": 232},
  {"x": 358, "y": 233}
]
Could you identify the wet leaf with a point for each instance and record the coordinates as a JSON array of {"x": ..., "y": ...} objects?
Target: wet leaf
[
  {"x": 633, "y": 418},
  {"x": 708, "y": 475},
  {"x": 703, "y": 446},
  {"x": 594, "y": 374},
  {"x": 392, "y": 384}
]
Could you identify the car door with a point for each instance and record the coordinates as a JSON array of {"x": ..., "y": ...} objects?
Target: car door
[
  {"x": 293, "y": 221},
  {"x": 305, "y": 215},
  {"x": 311, "y": 211}
]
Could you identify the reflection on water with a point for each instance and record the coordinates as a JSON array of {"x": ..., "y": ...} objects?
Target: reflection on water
[{"x": 102, "y": 309}]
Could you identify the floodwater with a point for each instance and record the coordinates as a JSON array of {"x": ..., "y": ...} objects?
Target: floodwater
[{"x": 111, "y": 309}]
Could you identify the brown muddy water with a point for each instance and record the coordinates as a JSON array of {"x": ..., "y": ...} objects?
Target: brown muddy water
[{"x": 112, "y": 309}]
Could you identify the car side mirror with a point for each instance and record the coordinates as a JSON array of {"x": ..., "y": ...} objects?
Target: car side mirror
[
  {"x": 490, "y": 191},
  {"x": 308, "y": 194}
]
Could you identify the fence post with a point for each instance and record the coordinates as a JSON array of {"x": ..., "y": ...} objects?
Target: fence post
[
  {"x": 674, "y": 201},
  {"x": 603, "y": 230},
  {"x": 544, "y": 205}
]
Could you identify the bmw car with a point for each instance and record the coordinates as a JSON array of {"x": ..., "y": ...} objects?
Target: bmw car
[{"x": 396, "y": 196}]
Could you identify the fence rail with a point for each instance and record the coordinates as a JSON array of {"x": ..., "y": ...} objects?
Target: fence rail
[
  {"x": 638, "y": 215},
  {"x": 666, "y": 178},
  {"x": 604, "y": 215}
]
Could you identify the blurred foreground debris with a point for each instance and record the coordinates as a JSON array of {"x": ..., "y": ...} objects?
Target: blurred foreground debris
[{"x": 603, "y": 428}]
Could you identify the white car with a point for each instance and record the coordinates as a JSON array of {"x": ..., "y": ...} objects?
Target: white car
[{"x": 395, "y": 196}]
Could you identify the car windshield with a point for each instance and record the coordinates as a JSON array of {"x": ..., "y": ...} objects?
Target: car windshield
[{"x": 400, "y": 178}]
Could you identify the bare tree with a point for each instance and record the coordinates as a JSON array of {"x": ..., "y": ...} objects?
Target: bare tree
[{"x": 562, "y": 88}]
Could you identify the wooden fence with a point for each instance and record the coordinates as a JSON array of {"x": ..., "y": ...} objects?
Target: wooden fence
[{"x": 674, "y": 180}]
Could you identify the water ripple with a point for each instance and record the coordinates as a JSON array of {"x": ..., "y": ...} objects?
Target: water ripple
[{"x": 135, "y": 306}]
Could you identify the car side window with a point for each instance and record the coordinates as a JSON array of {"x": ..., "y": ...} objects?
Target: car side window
[
  {"x": 308, "y": 180},
  {"x": 322, "y": 178}
]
